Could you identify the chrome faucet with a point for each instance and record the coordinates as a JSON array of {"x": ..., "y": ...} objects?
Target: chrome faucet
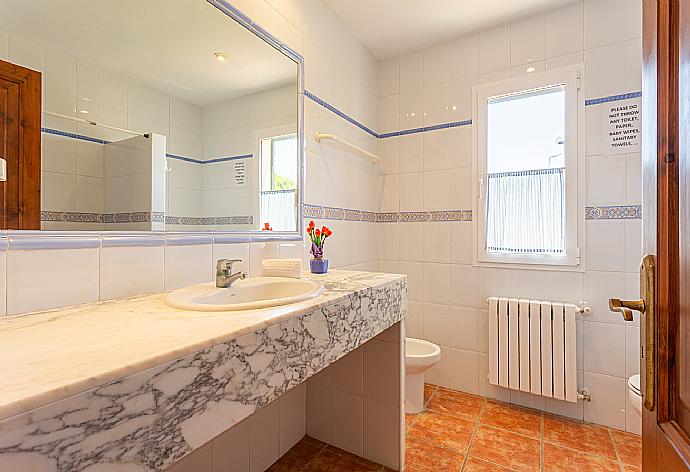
[{"x": 224, "y": 276}]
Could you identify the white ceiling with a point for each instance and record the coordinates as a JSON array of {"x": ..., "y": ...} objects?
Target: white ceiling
[
  {"x": 391, "y": 27},
  {"x": 167, "y": 45}
]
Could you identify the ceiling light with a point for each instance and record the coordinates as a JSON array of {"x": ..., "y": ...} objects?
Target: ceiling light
[
  {"x": 531, "y": 69},
  {"x": 220, "y": 56},
  {"x": 86, "y": 112}
]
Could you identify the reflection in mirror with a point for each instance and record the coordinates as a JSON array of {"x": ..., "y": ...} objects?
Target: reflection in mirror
[{"x": 159, "y": 115}]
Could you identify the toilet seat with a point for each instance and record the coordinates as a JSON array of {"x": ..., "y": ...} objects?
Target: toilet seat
[{"x": 634, "y": 384}]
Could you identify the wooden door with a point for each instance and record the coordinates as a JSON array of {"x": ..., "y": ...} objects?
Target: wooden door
[
  {"x": 666, "y": 223},
  {"x": 20, "y": 147}
]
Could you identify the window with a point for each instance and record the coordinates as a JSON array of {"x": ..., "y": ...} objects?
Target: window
[
  {"x": 527, "y": 157},
  {"x": 278, "y": 179}
]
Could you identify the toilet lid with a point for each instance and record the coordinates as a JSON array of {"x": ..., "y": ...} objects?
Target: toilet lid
[{"x": 634, "y": 383}]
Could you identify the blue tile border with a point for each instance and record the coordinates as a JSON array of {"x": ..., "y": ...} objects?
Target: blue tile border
[
  {"x": 341, "y": 114},
  {"x": 612, "y": 98},
  {"x": 83, "y": 137},
  {"x": 453, "y": 124}
]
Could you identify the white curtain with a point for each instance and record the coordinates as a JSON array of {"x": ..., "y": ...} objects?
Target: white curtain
[
  {"x": 278, "y": 208},
  {"x": 525, "y": 212}
]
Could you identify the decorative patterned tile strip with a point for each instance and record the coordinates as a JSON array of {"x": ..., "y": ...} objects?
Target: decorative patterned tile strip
[
  {"x": 369, "y": 216},
  {"x": 209, "y": 220},
  {"x": 352, "y": 215},
  {"x": 389, "y": 217},
  {"x": 452, "y": 215},
  {"x": 71, "y": 217},
  {"x": 613, "y": 98},
  {"x": 333, "y": 213},
  {"x": 158, "y": 217},
  {"x": 312, "y": 211},
  {"x": 621, "y": 212},
  {"x": 342, "y": 115},
  {"x": 414, "y": 216}
]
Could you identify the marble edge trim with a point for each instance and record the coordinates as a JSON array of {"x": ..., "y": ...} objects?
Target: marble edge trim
[{"x": 287, "y": 312}]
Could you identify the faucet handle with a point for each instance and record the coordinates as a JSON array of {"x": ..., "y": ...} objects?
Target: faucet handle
[{"x": 226, "y": 264}]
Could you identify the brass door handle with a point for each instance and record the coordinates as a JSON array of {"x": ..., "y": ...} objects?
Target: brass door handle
[{"x": 626, "y": 307}]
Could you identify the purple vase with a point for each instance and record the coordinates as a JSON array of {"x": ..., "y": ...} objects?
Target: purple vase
[{"x": 318, "y": 266}]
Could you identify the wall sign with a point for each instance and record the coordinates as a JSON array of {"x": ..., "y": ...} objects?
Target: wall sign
[
  {"x": 621, "y": 127},
  {"x": 240, "y": 172}
]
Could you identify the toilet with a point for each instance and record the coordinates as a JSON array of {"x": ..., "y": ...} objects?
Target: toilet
[
  {"x": 420, "y": 355},
  {"x": 635, "y": 394}
]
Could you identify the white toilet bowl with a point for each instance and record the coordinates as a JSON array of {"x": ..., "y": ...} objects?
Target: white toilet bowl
[
  {"x": 635, "y": 394},
  {"x": 419, "y": 356}
]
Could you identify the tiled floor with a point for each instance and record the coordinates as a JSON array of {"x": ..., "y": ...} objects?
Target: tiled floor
[
  {"x": 464, "y": 432},
  {"x": 461, "y": 432}
]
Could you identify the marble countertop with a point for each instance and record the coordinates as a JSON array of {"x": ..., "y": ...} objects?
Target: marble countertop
[{"x": 51, "y": 355}]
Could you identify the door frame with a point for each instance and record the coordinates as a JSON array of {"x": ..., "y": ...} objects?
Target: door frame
[
  {"x": 665, "y": 445},
  {"x": 25, "y": 213}
]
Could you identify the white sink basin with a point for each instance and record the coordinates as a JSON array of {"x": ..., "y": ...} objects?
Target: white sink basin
[{"x": 247, "y": 294}]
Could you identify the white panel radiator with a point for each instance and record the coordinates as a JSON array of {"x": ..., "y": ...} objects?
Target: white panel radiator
[{"x": 532, "y": 347}]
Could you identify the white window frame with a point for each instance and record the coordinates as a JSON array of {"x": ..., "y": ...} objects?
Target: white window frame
[{"x": 571, "y": 77}]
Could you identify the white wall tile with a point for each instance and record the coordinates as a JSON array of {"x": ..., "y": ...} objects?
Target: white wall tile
[
  {"x": 564, "y": 30},
  {"x": 292, "y": 417},
  {"x": 606, "y": 180},
  {"x": 528, "y": 41},
  {"x": 411, "y": 241},
  {"x": 347, "y": 372},
  {"x": 608, "y": 400},
  {"x": 381, "y": 381},
  {"x": 188, "y": 265},
  {"x": 61, "y": 71},
  {"x": 439, "y": 374},
  {"x": 381, "y": 433},
  {"x": 603, "y": 344},
  {"x": 605, "y": 250},
  {"x": 436, "y": 104},
  {"x": 26, "y": 54},
  {"x": 347, "y": 416},
  {"x": 464, "y": 368},
  {"x": 436, "y": 283},
  {"x": 606, "y": 70},
  {"x": 464, "y": 328},
  {"x": 319, "y": 408},
  {"x": 264, "y": 437},
  {"x": 231, "y": 449},
  {"x": 437, "y": 323},
  {"x": 436, "y": 190},
  {"x": 436, "y": 242},
  {"x": 599, "y": 287},
  {"x": 411, "y": 71},
  {"x": 494, "y": 49},
  {"x": 604, "y": 22},
  {"x": 128, "y": 271},
  {"x": 633, "y": 15},
  {"x": 45, "y": 279},
  {"x": 464, "y": 57},
  {"x": 465, "y": 285},
  {"x": 436, "y": 61}
]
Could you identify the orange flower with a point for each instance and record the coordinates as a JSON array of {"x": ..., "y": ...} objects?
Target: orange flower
[
  {"x": 324, "y": 229},
  {"x": 328, "y": 232},
  {"x": 311, "y": 224},
  {"x": 309, "y": 230},
  {"x": 317, "y": 233}
]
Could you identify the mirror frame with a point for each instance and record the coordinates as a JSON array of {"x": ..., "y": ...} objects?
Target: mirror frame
[{"x": 48, "y": 239}]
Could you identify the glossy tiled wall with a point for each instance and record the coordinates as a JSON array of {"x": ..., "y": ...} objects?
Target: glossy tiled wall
[{"x": 432, "y": 170}]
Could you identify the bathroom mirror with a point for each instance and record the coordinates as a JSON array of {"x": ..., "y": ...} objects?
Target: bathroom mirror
[{"x": 160, "y": 115}]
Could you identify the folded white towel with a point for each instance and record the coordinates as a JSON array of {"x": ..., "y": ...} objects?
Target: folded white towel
[{"x": 291, "y": 268}]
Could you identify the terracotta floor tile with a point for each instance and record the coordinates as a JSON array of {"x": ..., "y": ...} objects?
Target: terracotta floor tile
[
  {"x": 458, "y": 404},
  {"x": 299, "y": 456},
  {"x": 328, "y": 461},
  {"x": 506, "y": 449},
  {"x": 629, "y": 447},
  {"x": 443, "y": 430},
  {"x": 512, "y": 418},
  {"x": 426, "y": 457},
  {"x": 577, "y": 435},
  {"x": 351, "y": 457},
  {"x": 563, "y": 459},
  {"x": 632, "y": 468},
  {"x": 476, "y": 465},
  {"x": 409, "y": 419}
]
